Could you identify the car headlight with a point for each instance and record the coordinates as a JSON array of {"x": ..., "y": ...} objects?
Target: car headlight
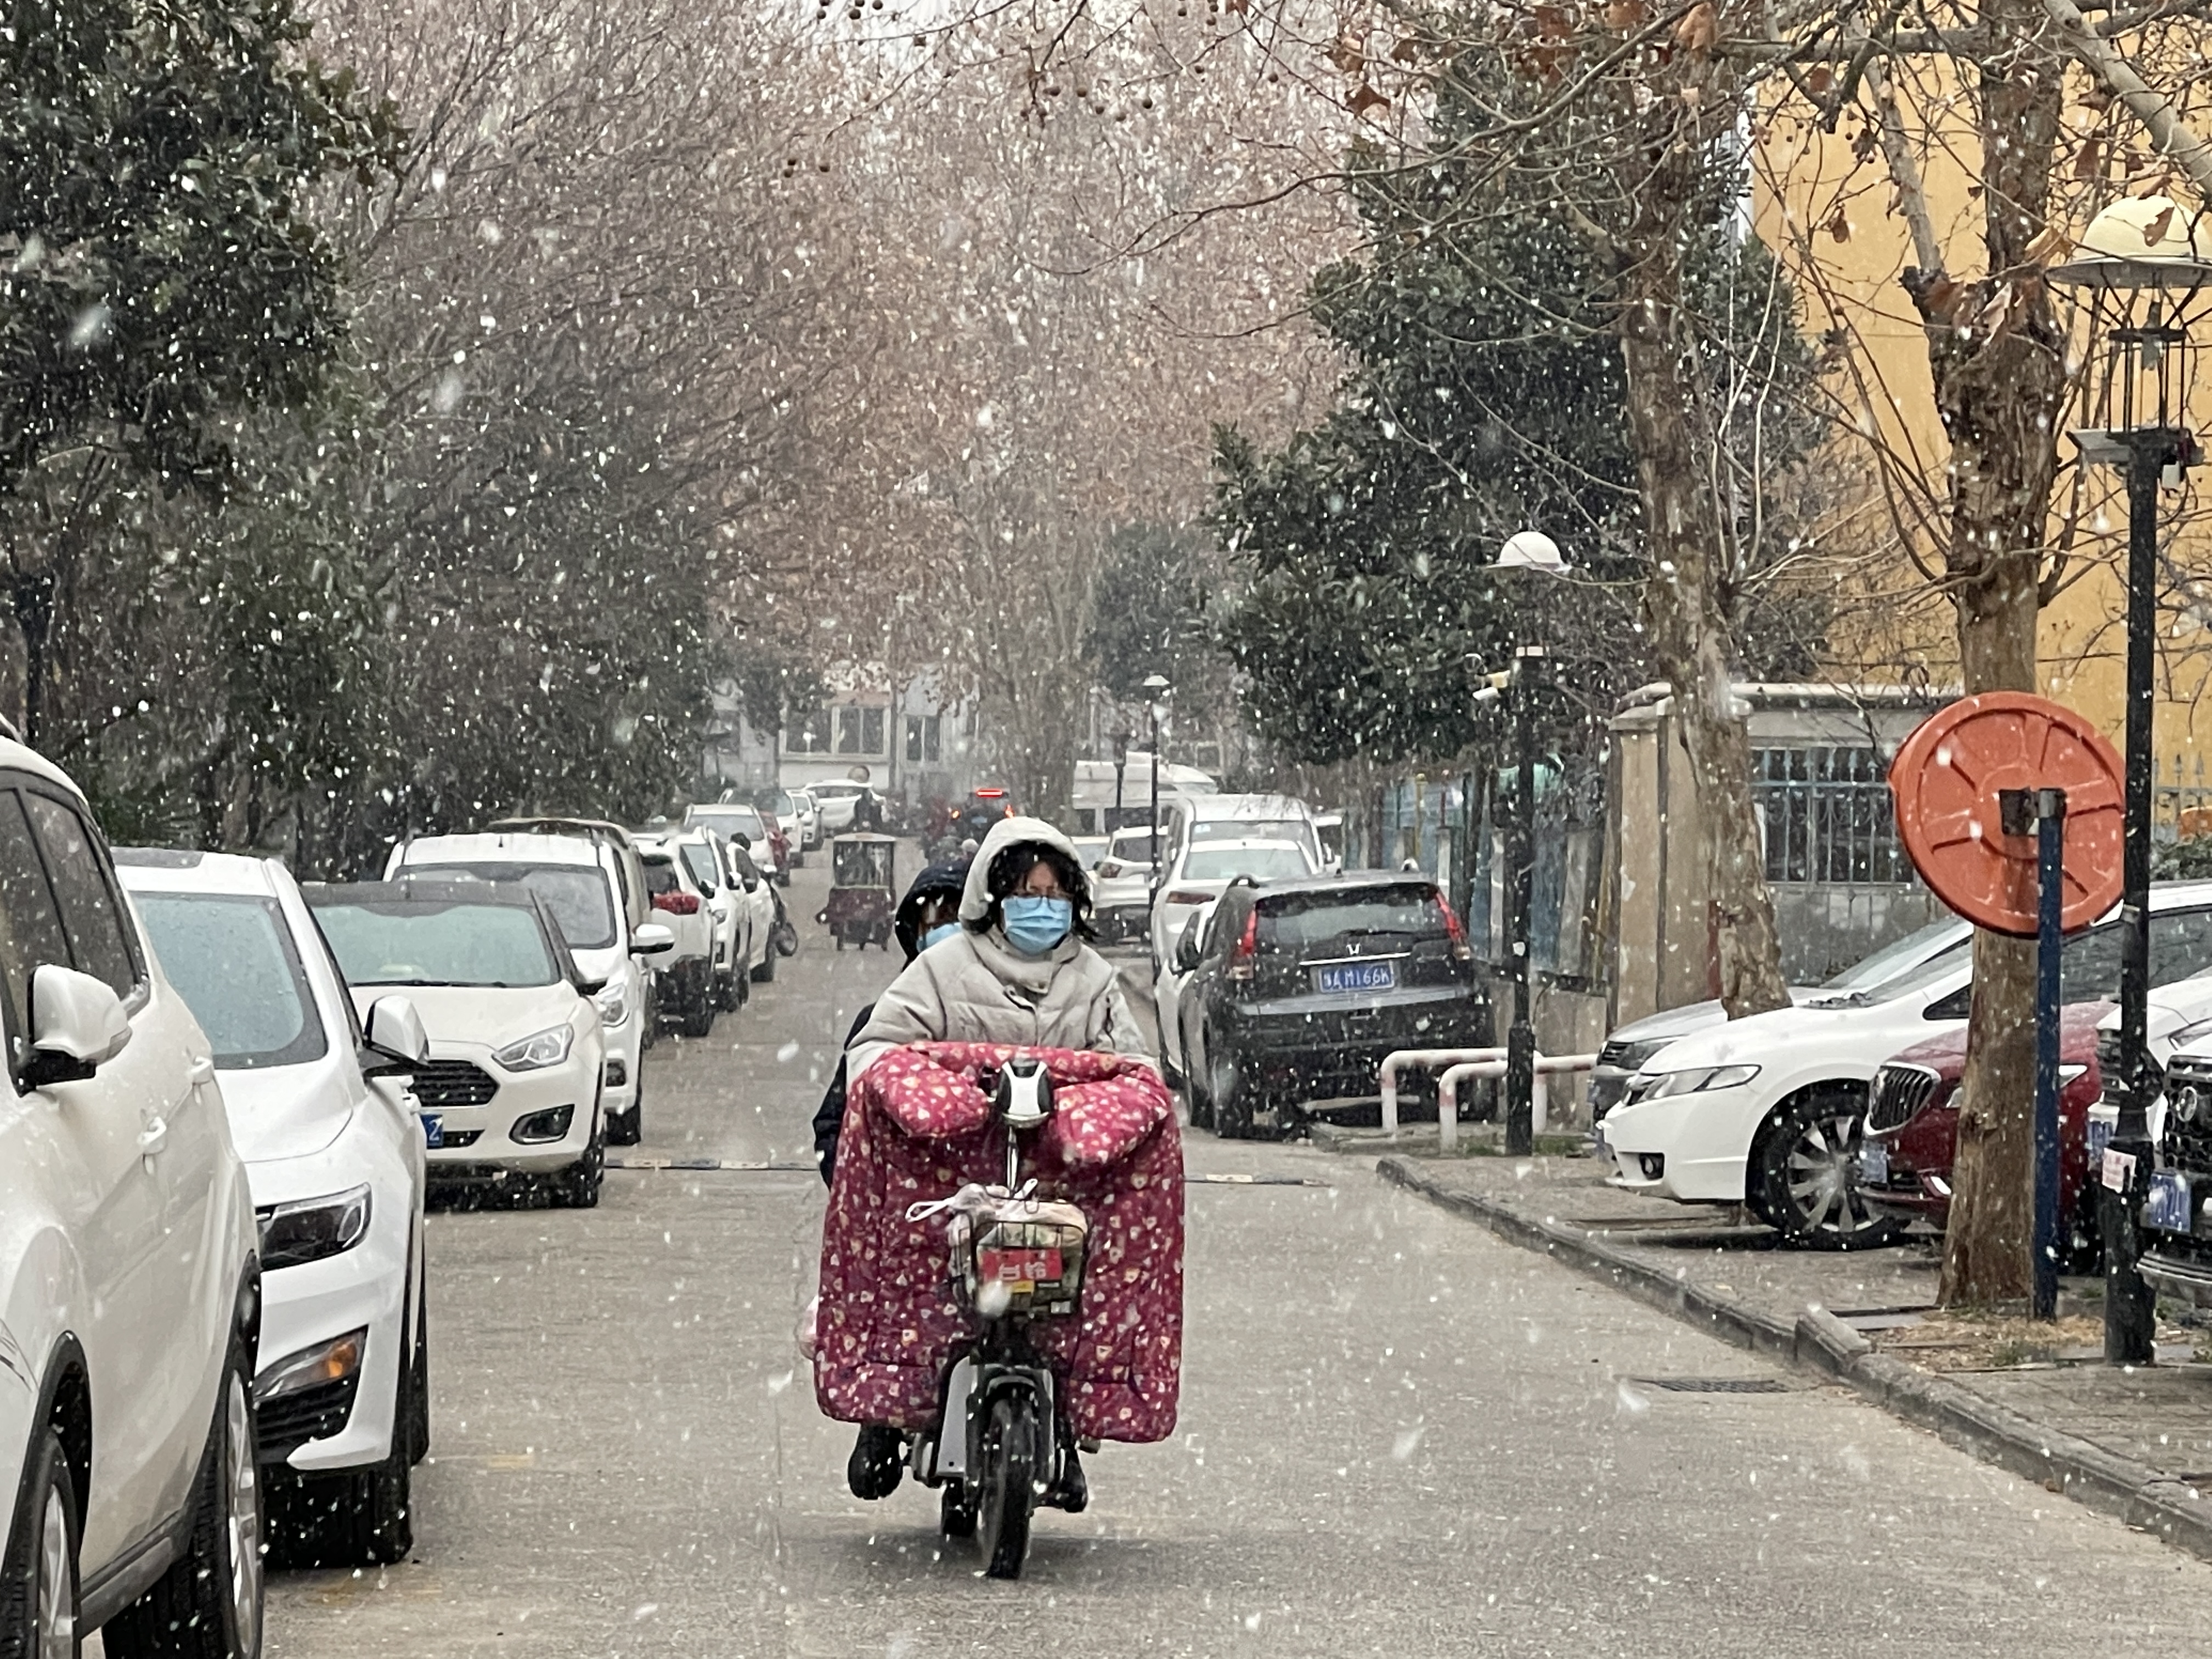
[
  {"x": 313, "y": 1228},
  {"x": 1698, "y": 1079},
  {"x": 614, "y": 1003},
  {"x": 538, "y": 1050}
]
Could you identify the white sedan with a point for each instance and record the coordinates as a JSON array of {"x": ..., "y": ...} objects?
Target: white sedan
[
  {"x": 1770, "y": 1110},
  {"x": 335, "y": 1158},
  {"x": 1202, "y": 873},
  {"x": 1167, "y": 992},
  {"x": 512, "y": 1086}
]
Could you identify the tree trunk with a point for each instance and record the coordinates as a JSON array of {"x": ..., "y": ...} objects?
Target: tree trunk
[
  {"x": 1686, "y": 602},
  {"x": 1998, "y": 360},
  {"x": 32, "y": 597}
]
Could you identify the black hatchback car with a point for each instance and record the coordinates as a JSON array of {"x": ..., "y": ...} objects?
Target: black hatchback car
[{"x": 1298, "y": 990}]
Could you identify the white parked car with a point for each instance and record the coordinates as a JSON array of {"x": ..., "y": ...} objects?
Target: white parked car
[
  {"x": 128, "y": 1272},
  {"x": 810, "y": 818},
  {"x": 751, "y": 881},
  {"x": 1167, "y": 990},
  {"x": 2177, "y": 1026},
  {"x": 1203, "y": 871},
  {"x": 742, "y": 823},
  {"x": 512, "y": 1086},
  {"x": 327, "y": 1125},
  {"x": 687, "y": 972},
  {"x": 1121, "y": 886},
  {"x": 1770, "y": 1110},
  {"x": 835, "y": 801},
  {"x": 736, "y": 914},
  {"x": 584, "y": 881},
  {"x": 1628, "y": 1047}
]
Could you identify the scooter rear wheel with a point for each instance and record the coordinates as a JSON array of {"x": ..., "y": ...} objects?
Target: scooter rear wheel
[{"x": 1010, "y": 1462}]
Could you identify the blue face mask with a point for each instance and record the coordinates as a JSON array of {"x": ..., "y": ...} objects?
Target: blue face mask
[
  {"x": 1034, "y": 924},
  {"x": 938, "y": 934}
]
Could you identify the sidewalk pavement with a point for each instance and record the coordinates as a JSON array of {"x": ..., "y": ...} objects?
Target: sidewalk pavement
[{"x": 2134, "y": 1441}]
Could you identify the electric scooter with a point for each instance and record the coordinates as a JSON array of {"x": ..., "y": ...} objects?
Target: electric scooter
[{"x": 1014, "y": 1259}]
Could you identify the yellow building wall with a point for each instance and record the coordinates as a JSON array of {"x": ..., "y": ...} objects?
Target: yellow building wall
[{"x": 1826, "y": 210}]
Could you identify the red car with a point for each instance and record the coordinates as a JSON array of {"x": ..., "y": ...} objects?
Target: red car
[{"x": 1912, "y": 1124}]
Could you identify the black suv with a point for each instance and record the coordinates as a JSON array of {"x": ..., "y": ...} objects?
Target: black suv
[{"x": 1300, "y": 988}]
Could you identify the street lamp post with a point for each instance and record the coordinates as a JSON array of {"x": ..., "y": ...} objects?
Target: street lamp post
[
  {"x": 1529, "y": 551},
  {"x": 1120, "y": 764},
  {"x": 1157, "y": 691},
  {"x": 2143, "y": 265}
]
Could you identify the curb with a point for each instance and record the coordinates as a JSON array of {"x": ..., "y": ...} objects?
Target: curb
[{"x": 2134, "y": 1493}]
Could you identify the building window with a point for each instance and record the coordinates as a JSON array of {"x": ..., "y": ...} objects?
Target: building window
[
  {"x": 924, "y": 738},
  {"x": 1827, "y": 815},
  {"x": 860, "y": 731},
  {"x": 807, "y": 731}
]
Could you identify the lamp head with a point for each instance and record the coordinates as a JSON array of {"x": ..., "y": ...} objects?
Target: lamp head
[{"x": 1532, "y": 550}]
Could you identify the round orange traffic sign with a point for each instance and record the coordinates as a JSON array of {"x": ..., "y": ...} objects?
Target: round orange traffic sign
[{"x": 1948, "y": 779}]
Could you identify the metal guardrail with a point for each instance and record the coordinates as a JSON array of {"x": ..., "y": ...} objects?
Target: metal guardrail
[{"x": 1463, "y": 1064}]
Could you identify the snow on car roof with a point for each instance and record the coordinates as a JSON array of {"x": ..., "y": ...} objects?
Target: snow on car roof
[
  {"x": 519, "y": 847},
  {"x": 160, "y": 870}
]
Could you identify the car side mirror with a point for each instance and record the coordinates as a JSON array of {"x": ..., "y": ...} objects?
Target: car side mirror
[
  {"x": 744, "y": 839},
  {"x": 652, "y": 939},
  {"x": 77, "y": 1025},
  {"x": 394, "y": 1036}
]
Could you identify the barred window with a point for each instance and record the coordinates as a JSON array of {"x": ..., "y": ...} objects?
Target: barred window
[{"x": 1828, "y": 816}]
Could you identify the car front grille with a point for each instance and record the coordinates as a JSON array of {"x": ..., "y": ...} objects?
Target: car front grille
[
  {"x": 460, "y": 1138},
  {"x": 442, "y": 1085},
  {"x": 1621, "y": 1056},
  {"x": 2188, "y": 1141},
  {"x": 315, "y": 1414},
  {"x": 1900, "y": 1092}
]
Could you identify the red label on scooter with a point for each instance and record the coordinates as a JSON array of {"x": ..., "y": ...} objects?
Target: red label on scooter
[{"x": 1004, "y": 1266}]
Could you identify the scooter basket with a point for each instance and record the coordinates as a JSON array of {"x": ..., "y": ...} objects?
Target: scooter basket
[{"x": 1028, "y": 1252}]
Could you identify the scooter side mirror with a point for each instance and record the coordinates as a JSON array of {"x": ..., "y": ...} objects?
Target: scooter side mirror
[{"x": 1024, "y": 1095}]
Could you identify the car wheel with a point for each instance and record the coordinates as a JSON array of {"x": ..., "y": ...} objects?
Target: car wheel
[
  {"x": 418, "y": 1381},
  {"x": 207, "y": 1604},
  {"x": 766, "y": 971},
  {"x": 1806, "y": 1167},
  {"x": 698, "y": 1017},
  {"x": 577, "y": 1187},
  {"x": 39, "y": 1593},
  {"x": 627, "y": 1128},
  {"x": 786, "y": 937},
  {"x": 1230, "y": 1098}
]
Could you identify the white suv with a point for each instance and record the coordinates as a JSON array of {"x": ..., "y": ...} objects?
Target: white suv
[
  {"x": 322, "y": 1115},
  {"x": 688, "y": 971},
  {"x": 582, "y": 880},
  {"x": 129, "y": 1290},
  {"x": 1770, "y": 1110}
]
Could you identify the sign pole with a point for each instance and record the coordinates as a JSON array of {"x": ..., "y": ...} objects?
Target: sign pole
[{"x": 2049, "y": 858}]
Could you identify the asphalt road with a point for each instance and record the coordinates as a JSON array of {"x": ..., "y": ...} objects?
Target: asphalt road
[{"x": 1399, "y": 1437}]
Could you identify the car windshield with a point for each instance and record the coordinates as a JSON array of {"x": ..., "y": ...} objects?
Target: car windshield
[
  {"x": 232, "y": 959},
  {"x": 699, "y": 859},
  {"x": 576, "y": 894},
  {"x": 426, "y": 942},
  {"x": 1943, "y": 965},
  {"x": 1291, "y": 920},
  {"x": 727, "y": 820},
  {"x": 1262, "y": 863},
  {"x": 1895, "y": 957},
  {"x": 1133, "y": 846}
]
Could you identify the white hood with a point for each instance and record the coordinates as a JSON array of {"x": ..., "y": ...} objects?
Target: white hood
[
  {"x": 975, "y": 898},
  {"x": 493, "y": 1015},
  {"x": 286, "y": 1111}
]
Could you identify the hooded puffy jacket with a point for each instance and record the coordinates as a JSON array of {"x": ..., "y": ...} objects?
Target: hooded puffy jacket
[{"x": 977, "y": 988}]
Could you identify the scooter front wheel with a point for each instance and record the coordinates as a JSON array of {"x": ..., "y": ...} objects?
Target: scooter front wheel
[{"x": 1009, "y": 1482}]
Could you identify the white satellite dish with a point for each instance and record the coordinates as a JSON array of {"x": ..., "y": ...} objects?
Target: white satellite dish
[{"x": 1532, "y": 550}]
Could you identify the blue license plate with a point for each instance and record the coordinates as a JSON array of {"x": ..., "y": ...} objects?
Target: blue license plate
[
  {"x": 1874, "y": 1162},
  {"x": 2100, "y": 1136},
  {"x": 1357, "y": 976},
  {"x": 434, "y": 1129},
  {"x": 2167, "y": 1208}
]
